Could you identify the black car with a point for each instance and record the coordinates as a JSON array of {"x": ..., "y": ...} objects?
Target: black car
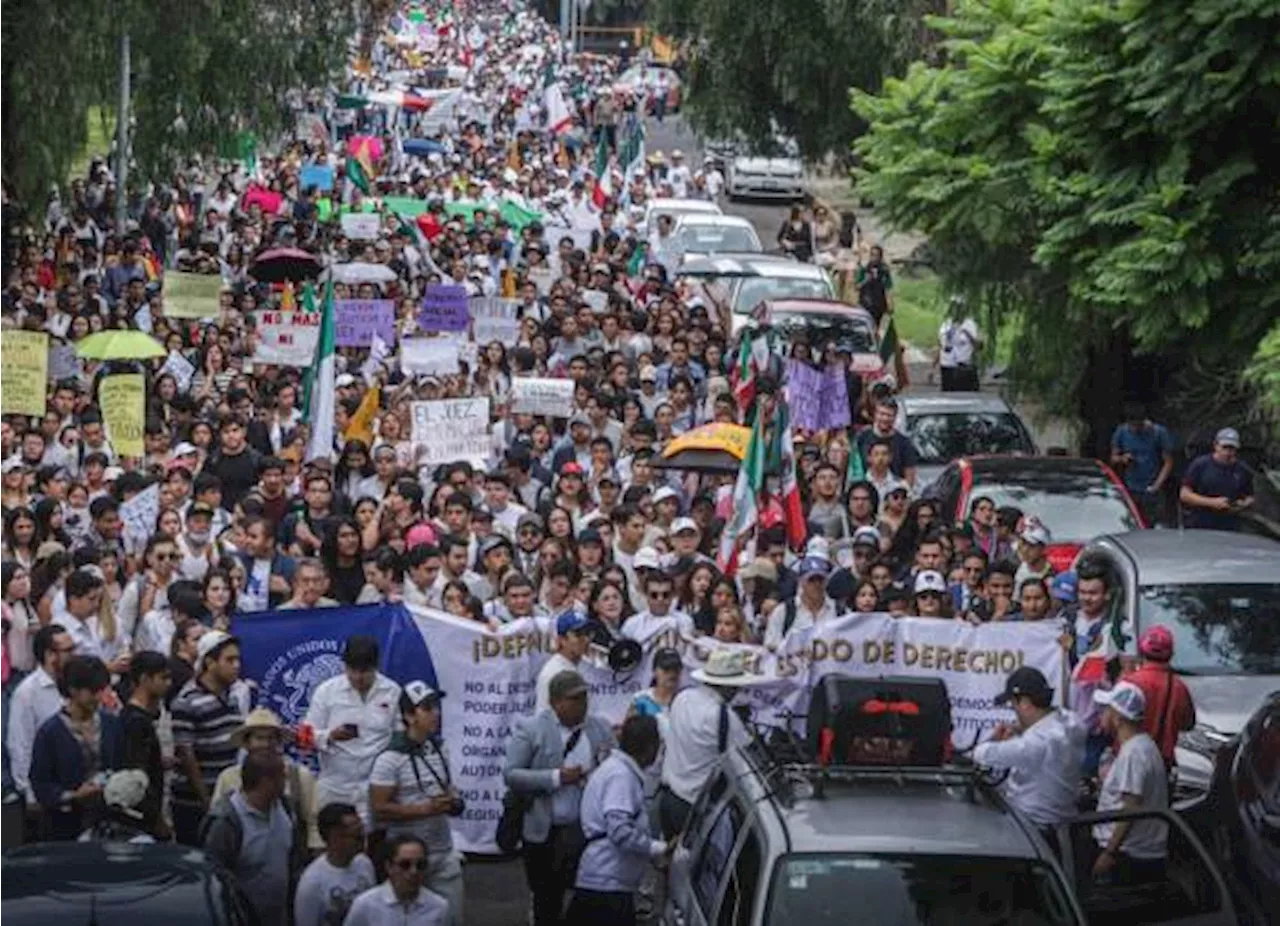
[
  {"x": 74, "y": 883},
  {"x": 1245, "y": 798}
]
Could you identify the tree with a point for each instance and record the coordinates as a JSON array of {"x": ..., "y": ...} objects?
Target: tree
[
  {"x": 1104, "y": 174},
  {"x": 788, "y": 64},
  {"x": 202, "y": 71}
]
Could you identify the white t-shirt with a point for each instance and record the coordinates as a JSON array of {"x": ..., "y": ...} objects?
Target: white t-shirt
[
  {"x": 257, "y": 587},
  {"x": 416, "y": 780},
  {"x": 958, "y": 341},
  {"x": 325, "y": 891},
  {"x": 1138, "y": 769}
]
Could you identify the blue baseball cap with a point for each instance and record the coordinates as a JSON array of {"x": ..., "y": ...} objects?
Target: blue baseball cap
[
  {"x": 571, "y": 622},
  {"x": 1063, "y": 587}
]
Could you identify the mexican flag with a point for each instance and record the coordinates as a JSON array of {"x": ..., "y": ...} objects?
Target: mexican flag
[
  {"x": 398, "y": 98},
  {"x": 631, "y": 154},
  {"x": 753, "y": 356},
  {"x": 604, "y": 184},
  {"x": 321, "y": 392},
  {"x": 745, "y": 493},
  {"x": 559, "y": 119},
  {"x": 782, "y": 456}
]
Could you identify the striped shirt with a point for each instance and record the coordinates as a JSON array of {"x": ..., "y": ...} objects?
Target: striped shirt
[{"x": 204, "y": 721}]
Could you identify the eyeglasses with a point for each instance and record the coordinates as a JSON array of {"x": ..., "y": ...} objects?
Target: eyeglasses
[{"x": 412, "y": 864}]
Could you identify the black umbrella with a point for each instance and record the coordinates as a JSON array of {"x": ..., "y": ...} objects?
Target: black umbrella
[{"x": 279, "y": 265}]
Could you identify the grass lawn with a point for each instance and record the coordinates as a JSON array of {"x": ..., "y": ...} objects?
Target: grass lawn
[
  {"x": 101, "y": 125},
  {"x": 918, "y": 308}
]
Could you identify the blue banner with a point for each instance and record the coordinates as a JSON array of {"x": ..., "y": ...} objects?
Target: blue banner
[{"x": 289, "y": 653}]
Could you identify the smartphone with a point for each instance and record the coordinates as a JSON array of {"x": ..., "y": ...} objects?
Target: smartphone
[{"x": 353, "y": 727}]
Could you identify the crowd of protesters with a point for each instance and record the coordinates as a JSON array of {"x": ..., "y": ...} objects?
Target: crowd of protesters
[{"x": 118, "y": 652}]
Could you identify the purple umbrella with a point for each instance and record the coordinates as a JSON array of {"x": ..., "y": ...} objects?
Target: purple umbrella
[{"x": 282, "y": 264}]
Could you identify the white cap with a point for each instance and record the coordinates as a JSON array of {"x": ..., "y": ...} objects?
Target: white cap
[
  {"x": 112, "y": 473},
  {"x": 866, "y": 537},
  {"x": 1126, "y": 699},
  {"x": 208, "y": 643},
  {"x": 185, "y": 448},
  {"x": 1036, "y": 533},
  {"x": 680, "y": 525},
  {"x": 930, "y": 581},
  {"x": 663, "y": 494},
  {"x": 646, "y": 558},
  {"x": 346, "y": 379}
]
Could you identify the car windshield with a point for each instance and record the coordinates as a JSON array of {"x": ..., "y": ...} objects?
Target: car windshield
[
  {"x": 705, "y": 239},
  {"x": 1218, "y": 629},
  {"x": 1078, "y": 510},
  {"x": 824, "y": 329},
  {"x": 817, "y": 890},
  {"x": 942, "y": 438},
  {"x": 754, "y": 290}
]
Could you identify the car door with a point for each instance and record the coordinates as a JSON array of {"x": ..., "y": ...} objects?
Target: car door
[
  {"x": 1191, "y": 891},
  {"x": 686, "y": 862}
]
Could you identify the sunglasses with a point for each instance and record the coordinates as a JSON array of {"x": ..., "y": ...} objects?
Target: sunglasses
[
  {"x": 411, "y": 864},
  {"x": 660, "y": 596},
  {"x": 172, "y": 557}
]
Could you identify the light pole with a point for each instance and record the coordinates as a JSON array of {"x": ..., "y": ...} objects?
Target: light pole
[{"x": 122, "y": 138}]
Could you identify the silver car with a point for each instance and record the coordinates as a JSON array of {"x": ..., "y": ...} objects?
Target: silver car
[
  {"x": 750, "y": 279},
  {"x": 776, "y": 174},
  {"x": 699, "y": 234},
  {"x": 946, "y": 426},
  {"x": 1218, "y": 593}
]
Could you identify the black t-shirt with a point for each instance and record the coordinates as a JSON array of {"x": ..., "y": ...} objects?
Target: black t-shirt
[
  {"x": 345, "y": 583},
  {"x": 239, "y": 474},
  {"x": 142, "y": 751},
  {"x": 903, "y": 452},
  {"x": 1206, "y": 476}
]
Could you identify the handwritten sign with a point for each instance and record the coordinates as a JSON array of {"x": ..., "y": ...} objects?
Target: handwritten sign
[
  {"x": 26, "y": 371},
  {"x": 180, "y": 368},
  {"x": 451, "y": 429},
  {"x": 139, "y": 516},
  {"x": 356, "y": 321},
  {"x": 542, "y": 278},
  {"x": 834, "y": 406},
  {"x": 122, "y": 398},
  {"x": 429, "y": 356},
  {"x": 63, "y": 362},
  {"x": 191, "y": 295},
  {"x": 495, "y": 319},
  {"x": 362, "y": 226},
  {"x": 540, "y": 396},
  {"x": 287, "y": 339},
  {"x": 444, "y": 308},
  {"x": 819, "y": 399}
]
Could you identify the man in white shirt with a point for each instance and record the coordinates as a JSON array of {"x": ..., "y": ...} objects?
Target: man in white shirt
[
  {"x": 401, "y": 900},
  {"x": 808, "y": 608},
  {"x": 353, "y": 716},
  {"x": 573, "y": 638},
  {"x": 1131, "y": 851},
  {"x": 497, "y": 493},
  {"x": 679, "y": 175},
  {"x": 702, "y": 727},
  {"x": 659, "y": 625},
  {"x": 34, "y": 701},
  {"x": 331, "y": 883},
  {"x": 1043, "y": 752},
  {"x": 958, "y": 342}
]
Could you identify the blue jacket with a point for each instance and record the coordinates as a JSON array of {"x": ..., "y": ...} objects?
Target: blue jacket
[
  {"x": 281, "y": 565},
  {"x": 57, "y": 766}
]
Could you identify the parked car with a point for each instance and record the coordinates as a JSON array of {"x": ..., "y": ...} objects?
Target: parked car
[
  {"x": 74, "y": 883},
  {"x": 646, "y": 77},
  {"x": 675, "y": 208},
  {"x": 1246, "y": 812},
  {"x": 749, "y": 279},
  {"x": 701, "y": 234},
  {"x": 946, "y": 426},
  {"x": 1218, "y": 592},
  {"x": 774, "y": 174},
  {"x": 1077, "y": 499}
]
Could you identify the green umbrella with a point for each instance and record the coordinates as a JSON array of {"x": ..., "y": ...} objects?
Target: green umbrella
[{"x": 119, "y": 345}]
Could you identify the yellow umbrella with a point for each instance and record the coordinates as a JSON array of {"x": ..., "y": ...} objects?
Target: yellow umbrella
[
  {"x": 712, "y": 448},
  {"x": 120, "y": 345}
]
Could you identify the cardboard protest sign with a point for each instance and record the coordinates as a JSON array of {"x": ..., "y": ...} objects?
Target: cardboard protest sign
[
  {"x": 139, "y": 516},
  {"x": 451, "y": 429},
  {"x": 63, "y": 362},
  {"x": 123, "y": 398},
  {"x": 539, "y": 396},
  {"x": 804, "y": 395},
  {"x": 494, "y": 319},
  {"x": 191, "y": 295},
  {"x": 362, "y": 226},
  {"x": 320, "y": 176},
  {"x": 833, "y": 408},
  {"x": 542, "y": 278},
  {"x": 356, "y": 321},
  {"x": 599, "y": 301},
  {"x": 429, "y": 356},
  {"x": 444, "y": 308},
  {"x": 26, "y": 372},
  {"x": 287, "y": 339},
  {"x": 180, "y": 368}
]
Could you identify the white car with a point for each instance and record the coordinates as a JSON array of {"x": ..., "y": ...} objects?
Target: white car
[
  {"x": 777, "y": 174},
  {"x": 700, "y": 234},
  {"x": 674, "y": 208},
  {"x": 749, "y": 279}
]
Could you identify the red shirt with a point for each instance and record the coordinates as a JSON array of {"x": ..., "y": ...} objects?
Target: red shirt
[{"x": 1166, "y": 697}]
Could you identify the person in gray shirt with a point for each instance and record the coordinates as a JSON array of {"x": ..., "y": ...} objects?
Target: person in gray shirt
[{"x": 250, "y": 833}]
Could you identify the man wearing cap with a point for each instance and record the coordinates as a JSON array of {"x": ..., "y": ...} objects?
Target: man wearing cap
[
  {"x": 1130, "y": 851},
  {"x": 701, "y": 728},
  {"x": 548, "y": 760},
  {"x": 929, "y": 592},
  {"x": 206, "y": 714},
  {"x": 353, "y": 716},
  {"x": 1217, "y": 486},
  {"x": 264, "y": 733},
  {"x": 1032, "y": 561},
  {"x": 411, "y": 791},
  {"x": 1042, "y": 752},
  {"x": 809, "y": 607},
  {"x": 1169, "y": 708},
  {"x": 573, "y": 639}
]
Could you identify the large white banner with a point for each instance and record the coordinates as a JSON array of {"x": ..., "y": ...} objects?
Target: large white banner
[{"x": 489, "y": 679}]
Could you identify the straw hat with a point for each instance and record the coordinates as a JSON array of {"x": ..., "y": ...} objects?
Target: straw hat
[
  {"x": 260, "y": 718},
  {"x": 726, "y": 668}
]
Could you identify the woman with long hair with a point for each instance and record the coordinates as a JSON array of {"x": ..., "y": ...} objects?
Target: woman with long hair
[
  {"x": 609, "y": 609},
  {"x": 48, "y": 516},
  {"x": 866, "y": 598},
  {"x": 20, "y": 541},
  {"x": 695, "y": 597},
  {"x": 218, "y": 592},
  {"x": 47, "y": 577},
  {"x": 454, "y": 597},
  {"x": 213, "y": 377},
  {"x": 20, "y": 620},
  {"x": 354, "y": 467},
  {"x": 340, "y": 551}
]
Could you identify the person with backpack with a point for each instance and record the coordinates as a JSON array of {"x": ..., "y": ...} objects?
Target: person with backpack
[
  {"x": 250, "y": 833},
  {"x": 808, "y": 608},
  {"x": 1169, "y": 707}
]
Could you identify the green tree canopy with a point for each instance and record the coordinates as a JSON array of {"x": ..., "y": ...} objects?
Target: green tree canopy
[
  {"x": 790, "y": 62},
  {"x": 1106, "y": 173},
  {"x": 202, "y": 71}
]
